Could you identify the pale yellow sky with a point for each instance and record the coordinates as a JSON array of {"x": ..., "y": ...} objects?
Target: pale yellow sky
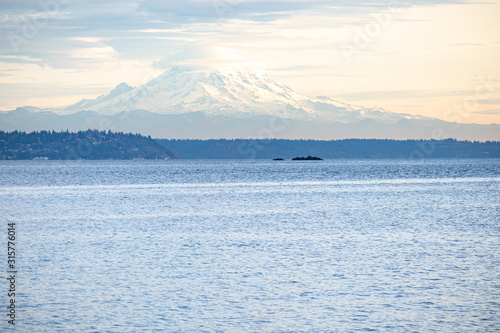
[{"x": 436, "y": 60}]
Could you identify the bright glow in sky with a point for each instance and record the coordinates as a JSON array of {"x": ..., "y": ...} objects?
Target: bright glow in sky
[{"x": 433, "y": 58}]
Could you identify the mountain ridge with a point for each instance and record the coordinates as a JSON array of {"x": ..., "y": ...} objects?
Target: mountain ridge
[
  {"x": 237, "y": 91},
  {"x": 197, "y": 125},
  {"x": 234, "y": 102}
]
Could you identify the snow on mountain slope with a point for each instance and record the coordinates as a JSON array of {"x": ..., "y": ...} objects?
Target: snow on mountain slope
[
  {"x": 86, "y": 104},
  {"x": 227, "y": 91}
]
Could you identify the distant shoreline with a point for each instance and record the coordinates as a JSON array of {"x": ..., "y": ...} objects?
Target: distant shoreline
[
  {"x": 102, "y": 145},
  {"x": 333, "y": 149}
]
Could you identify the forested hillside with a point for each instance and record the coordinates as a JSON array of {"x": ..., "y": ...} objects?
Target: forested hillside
[
  {"x": 351, "y": 148},
  {"x": 90, "y": 144}
]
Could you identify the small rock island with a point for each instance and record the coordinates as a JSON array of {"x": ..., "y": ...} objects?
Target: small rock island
[{"x": 308, "y": 158}]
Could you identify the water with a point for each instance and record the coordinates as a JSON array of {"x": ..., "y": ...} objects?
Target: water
[{"x": 254, "y": 246}]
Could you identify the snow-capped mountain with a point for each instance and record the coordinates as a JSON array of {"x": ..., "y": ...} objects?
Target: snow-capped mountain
[
  {"x": 233, "y": 102},
  {"x": 88, "y": 104},
  {"x": 227, "y": 91}
]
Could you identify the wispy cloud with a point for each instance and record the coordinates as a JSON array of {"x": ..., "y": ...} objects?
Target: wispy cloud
[
  {"x": 403, "y": 94},
  {"x": 489, "y": 112},
  {"x": 492, "y": 101}
]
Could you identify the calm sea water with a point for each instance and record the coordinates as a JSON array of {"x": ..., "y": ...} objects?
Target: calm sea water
[{"x": 254, "y": 246}]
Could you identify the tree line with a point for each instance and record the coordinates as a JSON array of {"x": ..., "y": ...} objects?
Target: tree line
[
  {"x": 90, "y": 144},
  {"x": 334, "y": 149}
]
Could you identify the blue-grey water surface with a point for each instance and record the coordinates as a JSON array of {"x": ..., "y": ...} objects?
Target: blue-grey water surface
[{"x": 254, "y": 246}]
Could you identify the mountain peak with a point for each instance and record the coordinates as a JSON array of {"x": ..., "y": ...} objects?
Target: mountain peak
[
  {"x": 121, "y": 88},
  {"x": 91, "y": 104},
  {"x": 234, "y": 90}
]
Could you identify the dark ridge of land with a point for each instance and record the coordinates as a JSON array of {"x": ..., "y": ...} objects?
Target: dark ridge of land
[
  {"x": 335, "y": 149},
  {"x": 88, "y": 145},
  {"x": 98, "y": 145}
]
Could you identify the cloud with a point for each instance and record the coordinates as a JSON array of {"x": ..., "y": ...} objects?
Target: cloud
[
  {"x": 90, "y": 39},
  {"x": 258, "y": 11},
  {"x": 492, "y": 101},
  {"x": 101, "y": 53},
  {"x": 489, "y": 112},
  {"x": 402, "y": 94},
  {"x": 19, "y": 59},
  {"x": 201, "y": 55},
  {"x": 216, "y": 10}
]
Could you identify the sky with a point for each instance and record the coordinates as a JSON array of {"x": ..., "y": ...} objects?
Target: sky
[{"x": 432, "y": 58}]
